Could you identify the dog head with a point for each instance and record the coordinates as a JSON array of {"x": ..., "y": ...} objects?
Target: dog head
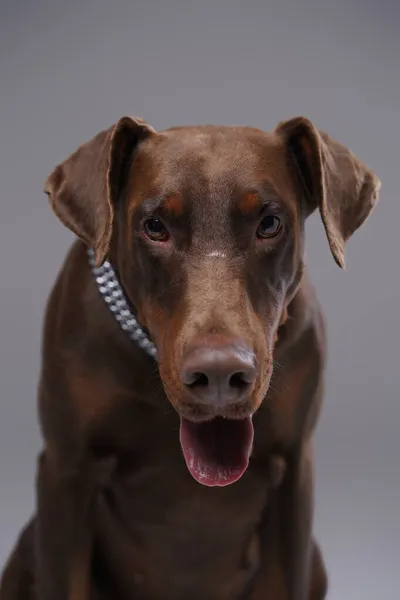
[{"x": 205, "y": 226}]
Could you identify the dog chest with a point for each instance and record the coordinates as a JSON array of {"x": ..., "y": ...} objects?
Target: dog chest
[{"x": 161, "y": 532}]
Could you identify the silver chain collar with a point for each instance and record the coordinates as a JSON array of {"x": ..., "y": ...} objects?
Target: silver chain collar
[{"x": 112, "y": 293}]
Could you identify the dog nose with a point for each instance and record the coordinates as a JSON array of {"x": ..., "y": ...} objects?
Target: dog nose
[{"x": 219, "y": 376}]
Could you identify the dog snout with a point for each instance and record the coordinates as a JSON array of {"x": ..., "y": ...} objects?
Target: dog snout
[{"x": 219, "y": 376}]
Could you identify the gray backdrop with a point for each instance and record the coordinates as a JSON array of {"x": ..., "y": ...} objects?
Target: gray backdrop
[{"x": 69, "y": 69}]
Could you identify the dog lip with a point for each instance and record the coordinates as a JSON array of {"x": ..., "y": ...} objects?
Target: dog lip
[{"x": 194, "y": 416}]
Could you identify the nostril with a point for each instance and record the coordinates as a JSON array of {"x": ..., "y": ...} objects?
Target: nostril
[
  {"x": 238, "y": 382},
  {"x": 197, "y": 381}
]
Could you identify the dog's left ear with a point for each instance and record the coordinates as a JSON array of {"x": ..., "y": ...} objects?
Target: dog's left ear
[
  {"x": 333, "y": 179},
  {"x": 84, "y": 188}
]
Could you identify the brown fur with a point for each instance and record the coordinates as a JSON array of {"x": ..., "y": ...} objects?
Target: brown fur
[{"x": 118, "y": 514}]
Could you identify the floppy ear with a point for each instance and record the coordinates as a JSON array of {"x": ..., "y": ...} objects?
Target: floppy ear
[
  {"x": 333, "y": 179},
  {"x": 84, "y": 188}
]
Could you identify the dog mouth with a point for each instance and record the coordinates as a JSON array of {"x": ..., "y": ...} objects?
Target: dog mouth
[{"x": 217, "y": 452}]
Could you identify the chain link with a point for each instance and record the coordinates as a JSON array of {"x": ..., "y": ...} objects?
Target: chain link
[{"x": 112, "y": 293}]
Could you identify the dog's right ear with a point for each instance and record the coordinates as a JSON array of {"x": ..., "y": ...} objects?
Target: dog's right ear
[{"x": 83, "y": 189}]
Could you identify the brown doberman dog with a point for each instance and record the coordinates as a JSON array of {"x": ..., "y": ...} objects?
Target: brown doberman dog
[{"x": 183, "y": 362}]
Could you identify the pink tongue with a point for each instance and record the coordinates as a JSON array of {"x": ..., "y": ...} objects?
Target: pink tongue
[{"x": 217, "y": 452}]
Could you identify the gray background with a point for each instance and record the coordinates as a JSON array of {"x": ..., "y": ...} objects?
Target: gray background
[{"x": 68, "y": 69}]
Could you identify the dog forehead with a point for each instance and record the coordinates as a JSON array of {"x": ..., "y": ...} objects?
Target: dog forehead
[
  {"x": 209, "y": 162},
  {"x": 215, "y": 149}
]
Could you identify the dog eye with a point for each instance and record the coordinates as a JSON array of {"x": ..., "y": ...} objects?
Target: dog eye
[
  {"x": 269, "y": 227},
  {"x": 156, "y": 230}
]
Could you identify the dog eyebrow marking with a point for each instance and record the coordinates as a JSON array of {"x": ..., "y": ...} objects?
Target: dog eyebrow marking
[
  {"x": 216, "y": 254},
  {"x": 173, "y": 203},
  {"x": 249, "y": 202}
]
